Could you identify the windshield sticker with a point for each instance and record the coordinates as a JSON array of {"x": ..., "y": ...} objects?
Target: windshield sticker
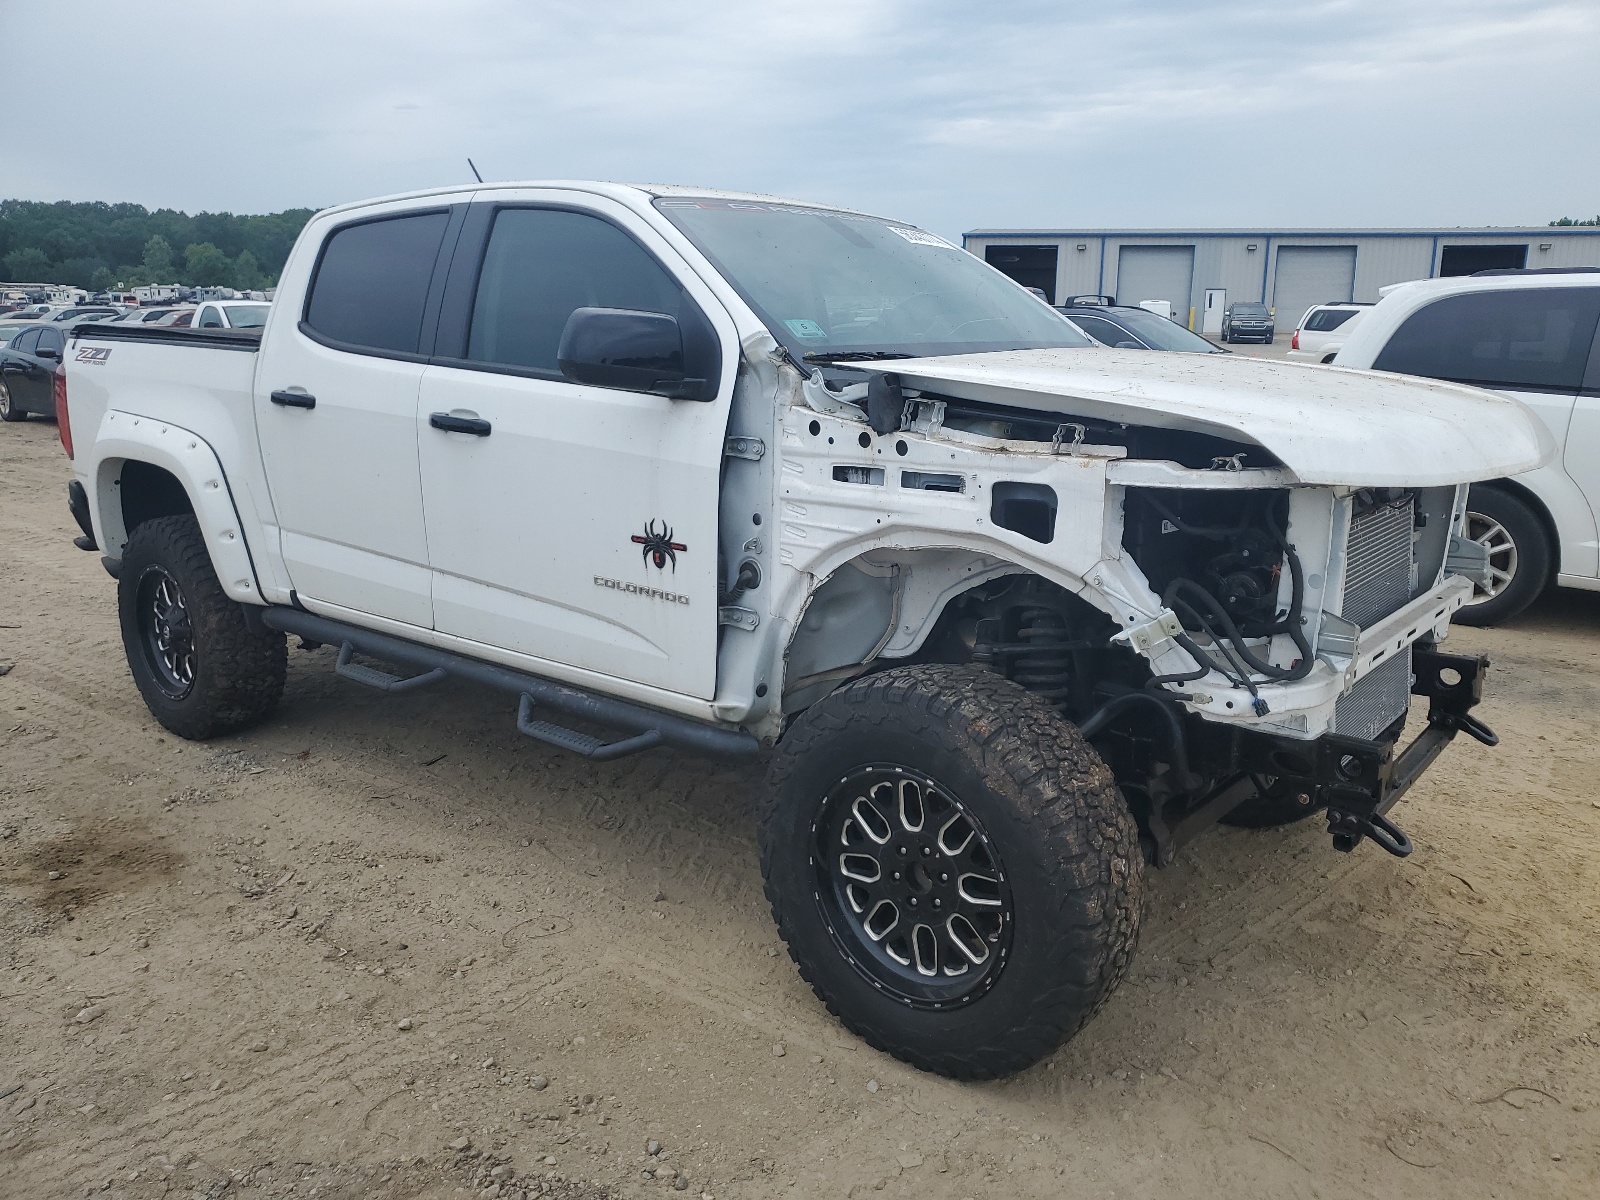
[
  {"x": 810, "y": 330},
  {"x": 920, "y": 237}
]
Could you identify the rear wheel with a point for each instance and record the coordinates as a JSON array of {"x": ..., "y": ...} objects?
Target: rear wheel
[
  {"x": 1519, "y": 556},
  {"x": 202, "y": 668},
  {"x": 952, "y": 867},
  {"x": 8, "y": 406}
]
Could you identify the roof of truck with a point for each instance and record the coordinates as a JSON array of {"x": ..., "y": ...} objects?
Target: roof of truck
[{"x": 616, "y": 191}]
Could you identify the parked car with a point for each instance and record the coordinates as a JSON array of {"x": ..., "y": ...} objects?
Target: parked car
[
  {"x": 1008, "y": 607},
  {"x": 230, "y": 314},
  {"x": 1529, "y": 335},
  {"x": 151, "y": 316},
  {"x": 27, "y": 370},
  {"x": 1323, "y": 331},
  {"x": 76, "y": 312},
  {"x": 1247, "y": 322},
  {"x": 1135, "y": 329}
]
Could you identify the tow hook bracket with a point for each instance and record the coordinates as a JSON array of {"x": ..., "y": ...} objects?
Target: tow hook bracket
[{"x": 1349, "y": 828}]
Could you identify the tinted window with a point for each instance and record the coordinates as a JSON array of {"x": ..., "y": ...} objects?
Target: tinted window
[
  {"x": 1515, "y": 338},
  {"x": 540, "y": 265},
  {"x": 210, "y": 318},
  {"x": 1250, "y": 310},
  {"x": 51, "y": 339},
  {"x": 1101, "y": 329},
  {"x": 1159, "y": 333},
  {"x": 1324, "y": 319},
  {"x": 28, "y": 342},
  {"x": 371, "y": 285}
]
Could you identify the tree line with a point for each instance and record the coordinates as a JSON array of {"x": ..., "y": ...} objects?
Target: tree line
[{"x": 100, "y": 246}]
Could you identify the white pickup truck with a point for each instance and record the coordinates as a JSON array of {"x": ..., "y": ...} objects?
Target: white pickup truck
[{"x": 1013, "y": 614}]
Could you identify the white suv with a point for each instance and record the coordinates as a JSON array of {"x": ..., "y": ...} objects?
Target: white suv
[
  {"x": 1323, "y": 331},
  {"x": 1530, "y": 335}
]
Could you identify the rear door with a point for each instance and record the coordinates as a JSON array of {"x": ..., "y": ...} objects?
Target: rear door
[
  {"x": 336, "y": 401},
  {"x": 579, "y": 527},
  {"x": 18, "y": 368},
  {"x": 1582, "y": 455}
]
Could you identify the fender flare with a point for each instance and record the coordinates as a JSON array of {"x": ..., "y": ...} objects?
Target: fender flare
[{"x": 188, "y": 457}]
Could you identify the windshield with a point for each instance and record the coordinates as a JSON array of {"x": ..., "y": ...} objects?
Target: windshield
[
  {"x": 1249, "y": 310},
  {"x": 247, "y": 316},
  {"x": 835, "y": 286},
  {"x": 1160, "y": 333}
]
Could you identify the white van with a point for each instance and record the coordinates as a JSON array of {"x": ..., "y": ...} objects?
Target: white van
[{"x": 1530, "y": 335}]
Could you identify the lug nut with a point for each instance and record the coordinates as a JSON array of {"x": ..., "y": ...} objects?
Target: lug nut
[{"x": 912, "y": 902}]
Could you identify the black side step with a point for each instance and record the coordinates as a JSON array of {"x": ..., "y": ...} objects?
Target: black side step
[
  {"x": 664, "y": 727},
  {"x": 580, "y": 743},
  {"x": 382, "y": 680}
]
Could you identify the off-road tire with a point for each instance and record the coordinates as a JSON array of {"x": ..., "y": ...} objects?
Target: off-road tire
[
  {"x": 1531, "y": 546},
  {"x": 8, "y": 406},
  {"x": 238, "y": 665},
  {"x": 1067, "y": 841},
  {"x": 1279, "y": 805}
]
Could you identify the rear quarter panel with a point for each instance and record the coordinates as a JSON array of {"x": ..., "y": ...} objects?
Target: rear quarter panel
[{"x": 202, "y": 390}]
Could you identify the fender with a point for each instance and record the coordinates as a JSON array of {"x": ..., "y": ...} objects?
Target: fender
[{"x": 124, "y": 437}]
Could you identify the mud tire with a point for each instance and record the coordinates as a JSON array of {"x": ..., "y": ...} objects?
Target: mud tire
[{"x": 1067, "y": 841}]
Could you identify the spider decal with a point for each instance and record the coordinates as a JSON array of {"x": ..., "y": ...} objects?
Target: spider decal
[{"x": 659, "y": 547}]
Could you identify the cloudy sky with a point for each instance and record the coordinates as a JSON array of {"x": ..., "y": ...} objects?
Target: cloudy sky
[{"x": 1011, "y": 113}]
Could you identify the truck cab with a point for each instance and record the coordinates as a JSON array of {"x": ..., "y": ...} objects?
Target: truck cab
[{"x": 1011, "y": 614}]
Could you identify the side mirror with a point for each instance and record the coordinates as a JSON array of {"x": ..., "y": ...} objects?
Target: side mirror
[
  {"x": 625, "y": 348},
  {"x": 46, "y": 352}
]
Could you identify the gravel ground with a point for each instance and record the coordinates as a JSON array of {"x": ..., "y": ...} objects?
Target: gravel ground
[{"x": 383, "y": 946}]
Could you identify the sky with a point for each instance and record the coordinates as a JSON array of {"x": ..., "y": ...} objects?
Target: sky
[{"x": 1027, "y": 114}]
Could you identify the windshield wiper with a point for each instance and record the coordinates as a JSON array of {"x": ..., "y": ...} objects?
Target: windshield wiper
[{"x": 837, "y": 356}]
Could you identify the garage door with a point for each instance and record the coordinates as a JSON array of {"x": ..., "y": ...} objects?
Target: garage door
[
  {"x": 1156, "y": 273},
  {"x": 1310, "y": 275}
]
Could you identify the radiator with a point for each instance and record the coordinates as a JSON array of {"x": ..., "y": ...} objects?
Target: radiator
[{"x": 1378, "y": 580}]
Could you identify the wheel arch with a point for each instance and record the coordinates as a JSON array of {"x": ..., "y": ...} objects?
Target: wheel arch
[
  {"x": 1540, "y": 510},
  {"x": 144, "y": 469},
  {"x": 880, "y": 608}
]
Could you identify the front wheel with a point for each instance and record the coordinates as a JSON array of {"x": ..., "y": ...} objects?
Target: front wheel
[
  {"x": 952, "y": 868},
  {"x": 1519, "y": 556},
  {"x": 201, "y": 666}
]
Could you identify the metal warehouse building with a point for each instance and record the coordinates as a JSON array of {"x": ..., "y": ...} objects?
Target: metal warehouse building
[{"x": 1201, "y": 272}]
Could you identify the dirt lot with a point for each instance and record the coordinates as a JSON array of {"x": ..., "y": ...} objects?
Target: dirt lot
[{"x": 319, "y": 954}]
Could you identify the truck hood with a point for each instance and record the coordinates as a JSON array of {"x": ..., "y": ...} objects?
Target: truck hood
[{"x": 1328, "y": 425}]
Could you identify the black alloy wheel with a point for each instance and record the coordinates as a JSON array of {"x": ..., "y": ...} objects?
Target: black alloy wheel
[
  {"x": 201, "y": 663},
  {"x": 911, "y": 888},
  {"x": 166, "y": 633}
]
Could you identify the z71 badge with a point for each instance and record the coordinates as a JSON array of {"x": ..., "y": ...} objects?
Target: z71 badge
[{"x": 94, "y": 356}]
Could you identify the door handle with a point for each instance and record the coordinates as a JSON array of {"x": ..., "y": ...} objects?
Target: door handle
[
  {"x": 294, "y": 399},
  {"x": 451, "y": 423}
]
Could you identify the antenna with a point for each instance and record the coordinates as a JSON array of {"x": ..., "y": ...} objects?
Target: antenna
[{"x": 474, "y": 170}]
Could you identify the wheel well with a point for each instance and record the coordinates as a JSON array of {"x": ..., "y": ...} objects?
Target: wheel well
[
  {"x": 148, "y": 492},
  {"x": 1512, "y": 488}
]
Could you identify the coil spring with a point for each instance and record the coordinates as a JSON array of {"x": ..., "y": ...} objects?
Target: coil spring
[{"x": 1039, "y": 659}]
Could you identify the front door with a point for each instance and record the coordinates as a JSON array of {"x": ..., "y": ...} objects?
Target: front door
[
  {"x": 571, "y": 524},
  {"x": 336, "y": 403}
]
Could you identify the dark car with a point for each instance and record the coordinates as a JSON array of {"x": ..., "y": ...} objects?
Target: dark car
[
  {"x": 27, "y": 371},
  {"x": 1247, "y": 322},
  {"x": 1134, "y": 328}
]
